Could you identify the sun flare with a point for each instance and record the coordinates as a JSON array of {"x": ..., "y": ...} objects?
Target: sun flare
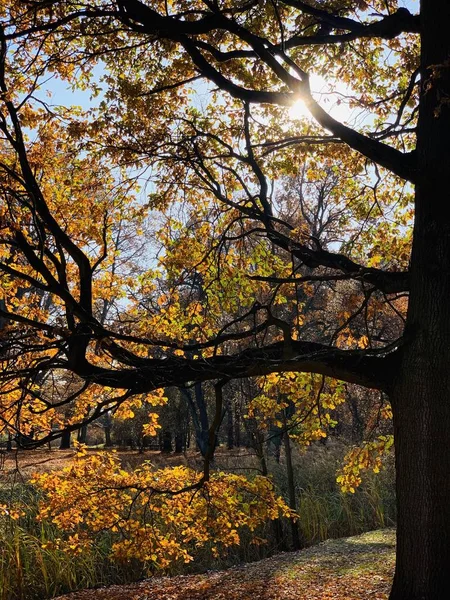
[{"x": 299, "y": 111}]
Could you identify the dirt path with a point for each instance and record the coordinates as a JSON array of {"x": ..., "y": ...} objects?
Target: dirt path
[{"x": 353, "y": 568}]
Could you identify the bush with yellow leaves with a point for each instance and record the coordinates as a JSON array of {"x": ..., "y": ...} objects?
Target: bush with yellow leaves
[{"x": 157, "y": 516}]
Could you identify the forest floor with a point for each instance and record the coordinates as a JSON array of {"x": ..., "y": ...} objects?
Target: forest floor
[
  {"x": 354, "y": 568},
  {"x": 41, "y": 460}
]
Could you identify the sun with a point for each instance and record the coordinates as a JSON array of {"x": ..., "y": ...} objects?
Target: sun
[
  {"x": 298, "y": 111},
  {"x": 333, "y": 97}
]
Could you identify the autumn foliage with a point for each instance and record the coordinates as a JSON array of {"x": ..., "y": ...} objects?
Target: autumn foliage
[{"x": 159, "y": 516}]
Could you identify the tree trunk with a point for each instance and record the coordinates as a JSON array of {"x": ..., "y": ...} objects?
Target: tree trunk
[
  {"x": 420, "y": 394},
  {"x": 230, "y": 424},
  {"x": 188, "y": 435},
  {"x": 178, "y": 443},
  {"x": 237, "y": 425},
  {"x": 275, "y": 524},
  {"x": 108, "y": 440},
  {"x": 357, "y": 420},
  {"x": 166, "y": 441},
  {"x": 199, "y": 414},
  {"x": 65, "y": 441},
  {"x": 275, "y": 441},
  {"x": 295, "y": 533},
  {"x": 82, "y": 434}
]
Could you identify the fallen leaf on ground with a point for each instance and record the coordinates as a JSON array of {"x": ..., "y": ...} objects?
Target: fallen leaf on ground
[{"x": 355, "y": 568}]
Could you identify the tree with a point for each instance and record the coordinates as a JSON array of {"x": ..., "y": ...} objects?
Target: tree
[{"x": 255, "y": 58}]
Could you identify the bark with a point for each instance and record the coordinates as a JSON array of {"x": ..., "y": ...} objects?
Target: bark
[
  {"x": 237, "y": 426},
  {"x": 296, "y": 541},
  {"x": 108, "y": 441},
  {"x": 198, "y": 411},
  {"x": 357, "y": 420},
  {"x": 419, "y": 391},
  {"x": 65, "y": 440},
  {"x": 420, "y": 394},
  {"x": 166, "y": 445},
  {"x": 107, "y": 428},
  {"x": 178, "y": 443},
  {"x": 230, "y": 424},
  {"x": 275, "y": 442},
  {"x": 82, "y": 434},
  {"x": 188, "y": 435},
  {"x": 276, "y": 524},
  {"x": 25, "y": 441}
]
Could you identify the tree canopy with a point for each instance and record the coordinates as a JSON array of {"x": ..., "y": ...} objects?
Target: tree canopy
[{"x": 185, "y": 227}]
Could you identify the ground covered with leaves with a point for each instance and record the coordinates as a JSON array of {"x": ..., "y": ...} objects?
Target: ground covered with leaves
[
  {"x": 352, "y": 568},
  {"x": 28, "y": 462}
]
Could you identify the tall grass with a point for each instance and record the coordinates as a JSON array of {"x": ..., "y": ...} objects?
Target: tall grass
[
  {"x": 324, "y": 511},
  {"x": 35, "y": 565}
]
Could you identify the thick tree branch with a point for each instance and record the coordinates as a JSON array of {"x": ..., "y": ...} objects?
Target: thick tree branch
[
  {"x": 390, "y": 26},
  {"x": 389, "y": 282},
  {"x": 363, "y": 367}
]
